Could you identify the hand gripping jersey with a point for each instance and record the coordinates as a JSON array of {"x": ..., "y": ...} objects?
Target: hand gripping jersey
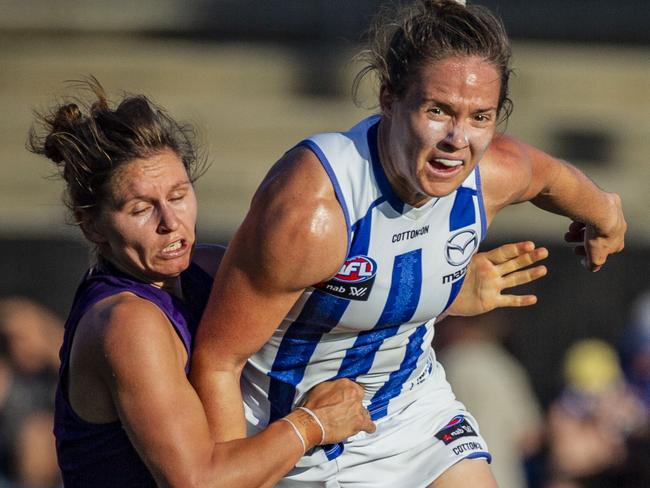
[
  {"x": 101, "y": 455},
  {"x": 373, "y": 322}
]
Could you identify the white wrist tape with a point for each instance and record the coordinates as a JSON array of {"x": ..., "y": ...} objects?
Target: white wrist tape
[
  {"x": 295, "y": 429},
  {"x": 313, "y": 415}
]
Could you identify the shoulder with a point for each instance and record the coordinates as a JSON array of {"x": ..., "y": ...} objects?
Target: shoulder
[
  {"x": 299, "y": 174},
  {"x": 295, "y": 221},
  {"x": 514, "y": 171},
  {"x": 125, "y": 326},
  {"x": 506, "y": 171}
]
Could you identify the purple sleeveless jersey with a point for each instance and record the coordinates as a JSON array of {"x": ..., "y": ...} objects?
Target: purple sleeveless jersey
[{"x": 101, "y": 455}]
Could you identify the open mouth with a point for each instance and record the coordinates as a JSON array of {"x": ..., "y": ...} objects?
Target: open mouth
[
  {"x": 444, "y": 165},
  {"x": 174, "y": 249}
]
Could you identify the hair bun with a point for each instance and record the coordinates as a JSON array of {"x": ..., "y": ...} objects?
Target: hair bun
[
  {"x": 67, "y": 116},
  {"x": 61, "y": 124}
]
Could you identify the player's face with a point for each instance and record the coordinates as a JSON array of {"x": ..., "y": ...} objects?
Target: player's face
[
  {"x": 147, "y": 227},
  {"x": 433, "y": 136}
]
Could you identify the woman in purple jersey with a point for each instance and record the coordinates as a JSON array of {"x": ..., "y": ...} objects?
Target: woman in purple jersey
[{"x": 126, "y": 414}]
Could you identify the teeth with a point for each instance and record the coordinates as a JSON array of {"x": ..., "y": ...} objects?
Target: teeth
[
  {"x": 451, "y": 163},
  {"x": 173, "y": 246}
]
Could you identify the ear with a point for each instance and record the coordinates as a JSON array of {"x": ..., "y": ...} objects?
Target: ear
[
  {"x": 386, "y": 101},
  {"x": 89, "y": 226}
]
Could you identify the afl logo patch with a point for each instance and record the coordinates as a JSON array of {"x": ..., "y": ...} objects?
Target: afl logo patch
[
  {"x": 460, "y": 247},
  {"x": 357, "y": 269},
  {"x": 455, "y": 429},
  {"x": 354, "y": 280},
  {"x": 456, "y": 420}
]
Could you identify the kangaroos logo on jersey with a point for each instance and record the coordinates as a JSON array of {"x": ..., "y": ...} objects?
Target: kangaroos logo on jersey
[
  {"x": 354, "y": 280},
  {"x": 460, "y": 247}
]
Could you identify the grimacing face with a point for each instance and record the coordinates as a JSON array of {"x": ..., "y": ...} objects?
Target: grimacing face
[
  {"x": 146, "y": 229},
  {"x": 433, "y": 136}
]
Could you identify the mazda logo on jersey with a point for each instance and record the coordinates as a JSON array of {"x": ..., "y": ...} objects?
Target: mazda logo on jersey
[
  {"x": 460, "y": 247},
  {"x": 354, "y": 280}
]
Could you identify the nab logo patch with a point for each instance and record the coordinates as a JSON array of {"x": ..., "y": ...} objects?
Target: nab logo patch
[
  {"x": 455, "y": 429},
  {"x": 354, "y": 280},
  {"x": 460, "y": 247}
]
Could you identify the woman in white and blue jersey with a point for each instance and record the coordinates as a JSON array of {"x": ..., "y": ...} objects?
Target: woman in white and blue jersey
[{"x": 358, "y": 241}]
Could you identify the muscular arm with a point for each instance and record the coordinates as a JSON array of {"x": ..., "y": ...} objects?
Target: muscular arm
[
  {"x": 140, "y": 360},
  {"x": 515, "y": 172},
  {"x": 293, "y": 236}
]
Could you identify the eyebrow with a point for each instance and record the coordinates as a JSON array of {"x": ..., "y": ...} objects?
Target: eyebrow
[{"x": 446, "y": 106}]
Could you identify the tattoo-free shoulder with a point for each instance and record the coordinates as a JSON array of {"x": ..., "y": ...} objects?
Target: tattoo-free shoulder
[{"x": 296, "y": 228}]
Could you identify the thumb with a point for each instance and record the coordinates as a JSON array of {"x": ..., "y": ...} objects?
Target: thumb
[{"x": 589, "y": 264}]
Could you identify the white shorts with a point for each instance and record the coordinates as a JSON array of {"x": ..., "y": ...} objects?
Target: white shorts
[{"x": 410, "y": 448}]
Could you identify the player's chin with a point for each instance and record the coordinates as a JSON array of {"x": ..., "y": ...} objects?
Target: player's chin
[
  {"x": 439, "y": 189},
  {"x": 171, "y": 268}
]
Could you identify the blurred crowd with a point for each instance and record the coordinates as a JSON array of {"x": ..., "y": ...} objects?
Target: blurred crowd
[
  {"x": 30, "y": 337},
  {"x": 595, "y": 433}
]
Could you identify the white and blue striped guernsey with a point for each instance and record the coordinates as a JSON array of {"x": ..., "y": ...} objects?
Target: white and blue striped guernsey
[{"x": 373, "y": 322}]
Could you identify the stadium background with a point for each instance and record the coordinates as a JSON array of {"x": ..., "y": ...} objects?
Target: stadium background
[{"x": 256, "y": 76}]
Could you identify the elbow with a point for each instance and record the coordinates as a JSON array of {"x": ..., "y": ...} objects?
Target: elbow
[
  {"x": 212, "y": 363},
  {"x": 185, "y": 478},
  {"x": 211, "y": 475}
]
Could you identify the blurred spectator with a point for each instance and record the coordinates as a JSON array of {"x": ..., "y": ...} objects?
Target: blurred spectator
[
  {"x": 495, "y": 388},
  {"x": 598, "y": 427},
  {"x": 30, "y": 337},
  {"x": 635, "y": 348}
]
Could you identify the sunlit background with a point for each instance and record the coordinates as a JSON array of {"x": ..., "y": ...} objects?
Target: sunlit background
[{"x": 256, "y": 76}]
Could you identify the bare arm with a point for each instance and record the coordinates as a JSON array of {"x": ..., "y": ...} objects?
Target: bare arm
[
  {"x": 141, "y": 362},
  {"x": 515, "y": 172},
  {"x": 293, "y": 236}
]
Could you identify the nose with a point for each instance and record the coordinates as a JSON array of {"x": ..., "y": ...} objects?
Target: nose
[
  {"x": 456, "y": 136},
  {"x": 168, "y": 220}
]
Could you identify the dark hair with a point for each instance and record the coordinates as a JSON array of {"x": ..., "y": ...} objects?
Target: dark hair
[
  {"x": 402, "y": 40},
  {"x": 89, "y": 141}
]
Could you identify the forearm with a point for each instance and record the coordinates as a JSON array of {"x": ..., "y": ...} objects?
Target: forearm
[
  {"x": 259, "y": 461},
  {"x": 571, "y": 193},
  {"x": 220, "y": 394}
]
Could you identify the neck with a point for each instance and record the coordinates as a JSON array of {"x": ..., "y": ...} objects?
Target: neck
[
  {"x": 171, "y": 285},
  {"x": 398, "y": 183}
]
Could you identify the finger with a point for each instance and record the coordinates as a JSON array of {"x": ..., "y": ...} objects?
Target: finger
[
  {"x": 576, "y": 232},
  {"x": 523, "y": 277},
  {"x": 576, "y": 226},
  {"x": 368, "y": 425},
  {"x": 507, "y": 252},
  {"x": 522, "y": 261},
  {"x": 517, "y": 300},
  {"x": 589, "y": 265},
  {"x": 575, "y": 236},
  {"x": 596, "y": 258}
]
